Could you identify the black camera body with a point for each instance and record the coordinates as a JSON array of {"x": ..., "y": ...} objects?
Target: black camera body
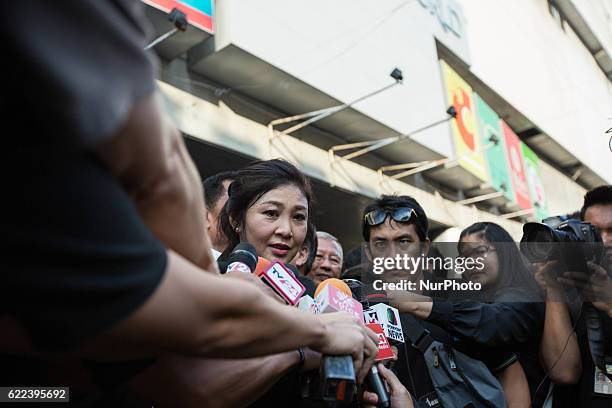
[{"x": 570, "y": 241}]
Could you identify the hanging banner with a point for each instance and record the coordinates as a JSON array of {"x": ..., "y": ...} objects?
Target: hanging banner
[
  {"x": 199, "y": 12},
  {"x": 468, "y": 147},
  {"x": 534, "y": 181},
  {"x": 495, "y": 153},
  {"x": 514, "y": 155}
]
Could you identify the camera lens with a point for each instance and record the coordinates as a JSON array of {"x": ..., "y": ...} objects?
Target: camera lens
[
  {"x": 542, "y": 244},
  {"x": 538, "y": 242}
]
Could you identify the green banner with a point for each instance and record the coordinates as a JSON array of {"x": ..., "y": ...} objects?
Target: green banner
[
  {"x": 534, "y": 180},
  {"x": 490, "y": 131}
]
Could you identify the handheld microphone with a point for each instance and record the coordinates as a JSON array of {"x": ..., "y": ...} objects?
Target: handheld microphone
[
  {"x": 339, "y": 284},
  {"x": 338, "y": 372},
  {"x": 384, "y": 321},
  {"x": 262, "y": 265},
  {"x": 387, "y": 317},
  {"x": 283, "y": 282},
  {"x": 242, "y": 259},
  {"x": 333, "y": 295},
  {"x": 375, "y": 383},
  {"x": 308, "y": 304}
]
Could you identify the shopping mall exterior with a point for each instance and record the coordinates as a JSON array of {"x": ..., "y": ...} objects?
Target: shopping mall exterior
[{"x": 310, "y": 81}]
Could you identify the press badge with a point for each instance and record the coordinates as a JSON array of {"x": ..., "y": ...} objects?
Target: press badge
[{"x": 602, "y": 384}]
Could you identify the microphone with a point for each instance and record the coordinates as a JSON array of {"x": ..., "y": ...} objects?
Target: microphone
[
  {"x": 283, "y": 282},
  {"x": 333, "y": 295},
  {"x": 242, "y": 259},
  {"x": 384, "y": 321},
  {"x": 386, "y": 316},
  {"x": 340, "y": 285},
  {"x": 375, "y": 383},
  {"x": 262, "y": 265},
  {"x": 338, "y": 372},
  {"x": 308, "y": 304},
  {"x": 306, "y": 282}
]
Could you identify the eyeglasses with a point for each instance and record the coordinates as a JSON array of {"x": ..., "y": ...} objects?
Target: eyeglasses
[
  {"x": 480, "y": 251},
  {"x": 400, "y": 214}
]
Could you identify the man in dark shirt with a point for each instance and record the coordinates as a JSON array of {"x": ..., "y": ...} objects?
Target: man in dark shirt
[{"x": 398, "y": 225}]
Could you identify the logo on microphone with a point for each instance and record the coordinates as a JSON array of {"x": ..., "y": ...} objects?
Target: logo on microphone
[{"x": 391, "y": 317}]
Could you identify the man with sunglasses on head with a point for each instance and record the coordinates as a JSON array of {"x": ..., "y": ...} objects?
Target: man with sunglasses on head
[{"x": 398, "y": 225}]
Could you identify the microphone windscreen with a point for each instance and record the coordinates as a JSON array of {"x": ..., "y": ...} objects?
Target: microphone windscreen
[
  {"x": 262, "y": 265},
  {"x": 340, "y": 285},
  {"x": 244, "y": 253}
]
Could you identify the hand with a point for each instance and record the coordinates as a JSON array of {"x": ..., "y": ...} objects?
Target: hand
[
  {"x": 345, "y": 334},
  {"x": 596, "y": 286},
  {"x": 399, "y": 395},
  {"x": 545, "y": 275},
  {"x": 249, "y": 277}
]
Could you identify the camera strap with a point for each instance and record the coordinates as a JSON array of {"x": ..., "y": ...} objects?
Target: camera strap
[{"x": 599, "y": 334}]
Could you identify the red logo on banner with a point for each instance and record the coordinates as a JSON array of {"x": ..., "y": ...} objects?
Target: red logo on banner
[{"x": 463, "y": 108}]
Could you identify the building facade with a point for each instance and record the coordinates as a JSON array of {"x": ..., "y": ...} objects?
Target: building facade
[{"x": 357, "y": 95}]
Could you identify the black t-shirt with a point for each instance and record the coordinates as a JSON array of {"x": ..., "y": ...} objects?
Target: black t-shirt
[
  {"x": 412, "y": 370},
  {"x": 74, "y": 68},
  {"x": 411, "y": 367},
  {"x": 77, "y": 258}
]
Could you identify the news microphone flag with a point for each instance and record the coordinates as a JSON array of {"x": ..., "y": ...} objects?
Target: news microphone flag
[
  {"x": 388, "y": 318},
  {"x": 331, "y": 299},
  {"x": 308, "y": 304},
  {"x": 282, "y": 281},
  {"x": 384, "y": 349}
]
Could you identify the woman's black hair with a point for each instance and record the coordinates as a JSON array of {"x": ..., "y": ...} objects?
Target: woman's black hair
[
  {"x": 313, "y": 245},
  {"x": 514, "y": 270},
  {"x": 250, "y": 184}
]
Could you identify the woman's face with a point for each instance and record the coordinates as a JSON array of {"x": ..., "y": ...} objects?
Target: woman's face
[
  {"x": 276, "y": 224},
  {"x": 476, "y": 246}
]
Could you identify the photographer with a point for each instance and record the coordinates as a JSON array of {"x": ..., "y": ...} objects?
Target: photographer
[{"x": 566, "y": 348}]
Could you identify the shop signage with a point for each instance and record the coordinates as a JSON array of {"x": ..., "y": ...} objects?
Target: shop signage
[
  {"x": 495, "y": 153},
  {"x": 534, "y": 181},
  {"x": 468, "y": 145},
  {"x": 514, "y": 155},
  {"x": 199, "y": 12}
]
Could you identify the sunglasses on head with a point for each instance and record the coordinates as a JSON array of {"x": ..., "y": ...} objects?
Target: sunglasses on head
[{"x": 400, "y": 214}]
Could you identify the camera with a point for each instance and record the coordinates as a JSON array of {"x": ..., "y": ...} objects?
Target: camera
[{"x": 563, "y": 239}]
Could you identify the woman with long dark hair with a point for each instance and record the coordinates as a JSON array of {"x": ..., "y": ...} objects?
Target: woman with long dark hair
[
  {"x": 269, "y": 206},
  {"x": 506, "y": 314},
  {"x": 506, "y": 275}
]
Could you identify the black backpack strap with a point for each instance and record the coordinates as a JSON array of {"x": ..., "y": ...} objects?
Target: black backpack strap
[{"x": 415, "y": 332}]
